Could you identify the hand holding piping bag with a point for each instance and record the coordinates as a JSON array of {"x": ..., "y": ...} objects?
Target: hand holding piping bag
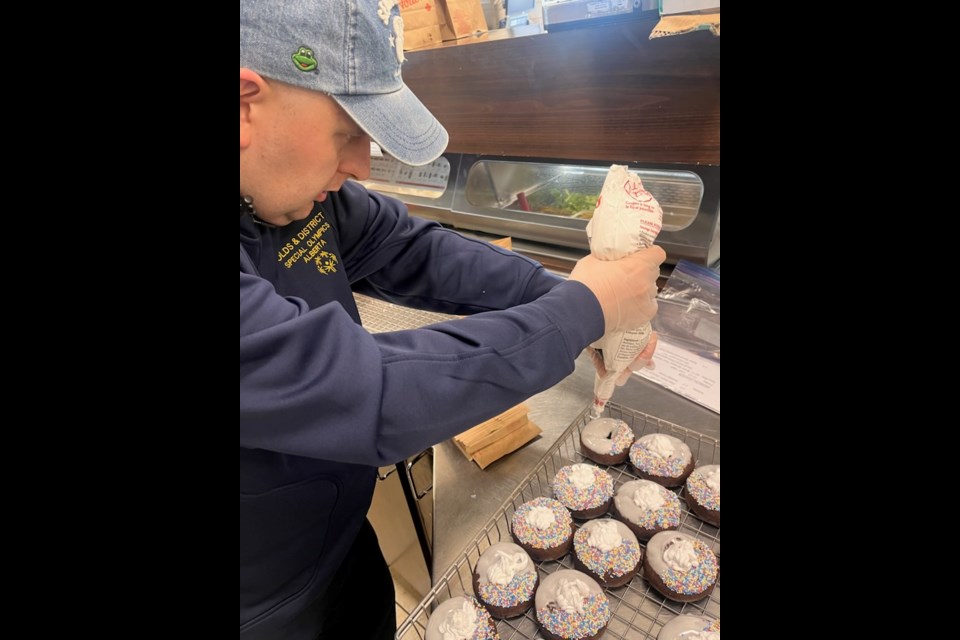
[
  {"x": 627, "y": 219},
  {"x": 643, "y": 361}
]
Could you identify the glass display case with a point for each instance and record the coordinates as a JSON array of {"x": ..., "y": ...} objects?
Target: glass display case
[
  {"x": 551, "y": 201},
  {"x": 571, "y": 191}
]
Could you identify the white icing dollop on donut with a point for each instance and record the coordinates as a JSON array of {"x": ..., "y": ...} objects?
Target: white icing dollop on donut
[
  {"x": 506, "y": 566},
  {"x": 541, "y": 517},
  {"x": 547, "y": 593},
  {"x": 459, "y": 624},
  {"x": 648, "y": 497},
  {"x": 680, "y": 554},
  {"x": 571, "y": 594},
  {"x": 660, "y": 445},
  {"x": 604, "y": 535},
  {"x": 581, "y": 476}
]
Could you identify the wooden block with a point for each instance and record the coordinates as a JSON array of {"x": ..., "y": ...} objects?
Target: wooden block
[
  {"x": 488, "y": 455},
  {"x": 489, "y": 434},
  {"x": 506, "y": 243},
  {"x": 462, "y": 448},
  {"x": 501, "y": 423},
  {"x": 499, "y": 434}
]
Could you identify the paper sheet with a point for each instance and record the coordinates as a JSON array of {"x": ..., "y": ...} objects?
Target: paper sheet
[{"x": 687, "y": 374}]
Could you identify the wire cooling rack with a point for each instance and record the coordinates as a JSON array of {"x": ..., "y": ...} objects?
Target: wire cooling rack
[{"x": 638, "y": 610}]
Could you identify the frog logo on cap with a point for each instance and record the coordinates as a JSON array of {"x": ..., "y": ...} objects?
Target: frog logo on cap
[{"x": 304, "y": 59}]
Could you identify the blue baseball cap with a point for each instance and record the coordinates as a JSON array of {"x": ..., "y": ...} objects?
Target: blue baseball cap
[{"x": 351, "y": 50}]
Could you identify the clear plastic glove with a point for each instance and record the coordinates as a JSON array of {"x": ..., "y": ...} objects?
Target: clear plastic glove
[
  {"x": 644, "y": 360},
  {"x": 626, "y": 288}
]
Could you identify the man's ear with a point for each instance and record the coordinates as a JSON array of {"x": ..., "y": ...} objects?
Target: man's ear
[{"x": 252, "y": 90}]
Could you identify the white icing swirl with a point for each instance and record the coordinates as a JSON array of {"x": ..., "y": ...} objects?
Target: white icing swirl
[
  {"x": 604, "y": 536},
  {"x": 712, "y": 479},
  {"x": 581, "y": 476},
  {"x": 680, "y": 554},
  {"x": 459, "y": 623},
  {"x": 648, "y": 497},
  {"x": 571, "y": 595},
  {"x": 541, "y": 517},
  {"x": 660, "y": 445},
  {"x": 506, "y": 566}
]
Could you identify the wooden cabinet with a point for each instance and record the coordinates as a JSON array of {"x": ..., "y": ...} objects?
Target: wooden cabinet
[{"x": 603, "y": 92}]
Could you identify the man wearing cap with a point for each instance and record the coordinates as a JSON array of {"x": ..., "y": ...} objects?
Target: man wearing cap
[{"x": 323, "y": 402}]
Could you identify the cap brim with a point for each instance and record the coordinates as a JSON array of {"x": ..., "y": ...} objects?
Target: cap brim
[{"x": 399, "y": 123}]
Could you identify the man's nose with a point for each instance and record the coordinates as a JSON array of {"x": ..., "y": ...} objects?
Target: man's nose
[{"x": 356, "y": 158}]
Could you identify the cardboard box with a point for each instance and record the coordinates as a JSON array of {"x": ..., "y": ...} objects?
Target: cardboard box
[
  {"x": 463, "y": 18},
  {"x": 421, "y": 23},
  {"x": 420, "y": 38}
]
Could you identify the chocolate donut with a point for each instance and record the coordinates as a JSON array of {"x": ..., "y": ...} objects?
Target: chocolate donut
[
  {"x": 680, "y": 567},
  {"x": 570, "y": 604},
  {"x": 663, "y": 459},
  {"x": 606, "y": 440},
  {"x": 646, "y": 507},
  {"x": 505, "y": 579},
  {"x": 607, "y": 551},
  {"x": 543, "y": 528},
  {"x": 584, "y": 489},
  {"x": 702, "y": 493}
]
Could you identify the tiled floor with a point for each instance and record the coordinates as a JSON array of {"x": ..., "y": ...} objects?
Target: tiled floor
[
  {"x": 410, "y": 581},
  {"x": 406, "y": 600}
]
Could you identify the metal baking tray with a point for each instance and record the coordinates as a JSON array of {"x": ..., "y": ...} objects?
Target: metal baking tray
[{"x": 638, "y": 611}]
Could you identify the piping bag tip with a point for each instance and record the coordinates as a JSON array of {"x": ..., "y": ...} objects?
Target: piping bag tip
[
  {"x": 596, "y": 409},
  {"x": 602, "y": 392}
]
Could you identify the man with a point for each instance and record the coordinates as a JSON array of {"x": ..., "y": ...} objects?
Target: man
[{"x": 323, "y": 402}]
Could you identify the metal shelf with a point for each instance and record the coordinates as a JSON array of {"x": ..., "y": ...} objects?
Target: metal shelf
[{"x": 638, "y": 611}]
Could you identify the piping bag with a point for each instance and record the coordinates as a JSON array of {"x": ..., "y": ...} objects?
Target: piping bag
[{"x": 627, "y": 218}]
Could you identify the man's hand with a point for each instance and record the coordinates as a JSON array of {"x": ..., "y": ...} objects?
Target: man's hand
[
  {"x": 643, "y": 361},
  {"x": 626, "y": 288}
]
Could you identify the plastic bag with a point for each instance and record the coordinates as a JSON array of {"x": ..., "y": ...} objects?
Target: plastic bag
[{"x": 689, "y": 310}]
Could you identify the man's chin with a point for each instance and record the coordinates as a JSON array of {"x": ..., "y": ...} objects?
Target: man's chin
[{"x": 287, "y": 218}]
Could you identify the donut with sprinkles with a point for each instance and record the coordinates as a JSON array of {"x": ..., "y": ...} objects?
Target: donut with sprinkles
[
  {"x": 680, "y": 567},
  {"x": 661, "y": 458},
  {"x": 606, "y": 441},
  {"x": 586, "y": 490},
  {"x": 702, "y": 493},
  {"x": 543, "y": 528},
  {"x": 505, "y": 580},
  {"x": 646, "y": 508},
  {"x": 571, "y": 606},
  {"x": 607, "y": 551}
]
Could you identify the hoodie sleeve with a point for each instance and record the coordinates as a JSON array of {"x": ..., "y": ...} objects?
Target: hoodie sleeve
[
  {"x": 314, "y": 383},
  {"x": 417, "y": 263}
]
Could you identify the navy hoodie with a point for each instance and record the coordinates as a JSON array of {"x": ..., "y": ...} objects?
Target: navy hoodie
[{"x": 323, "y": 402}]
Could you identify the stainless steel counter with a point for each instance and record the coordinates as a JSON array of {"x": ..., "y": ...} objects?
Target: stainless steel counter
[{"x": 465, "y": 496}]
